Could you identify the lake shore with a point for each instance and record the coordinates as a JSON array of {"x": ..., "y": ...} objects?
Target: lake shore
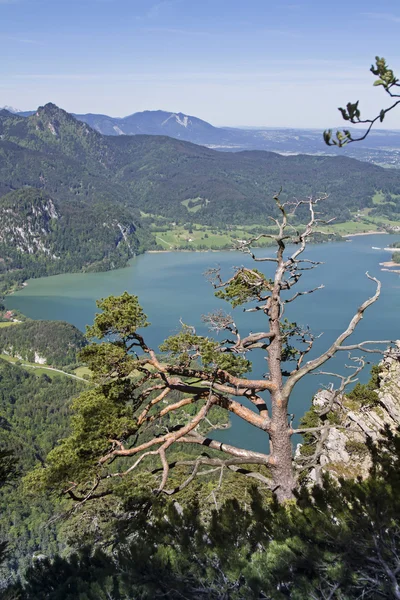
[
  {"x": 389, "y": 263},
  {"x": 365, "y": 233}
]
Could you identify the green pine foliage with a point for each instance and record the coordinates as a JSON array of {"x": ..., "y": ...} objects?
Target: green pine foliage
[
  {"x": 337, "y": 541},
  {"x": 186, "y": 346},
  {"x": 365, "y": 394}
]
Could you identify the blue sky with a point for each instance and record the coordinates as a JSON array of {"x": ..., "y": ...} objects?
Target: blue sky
[{"x": 231, "y": 62}]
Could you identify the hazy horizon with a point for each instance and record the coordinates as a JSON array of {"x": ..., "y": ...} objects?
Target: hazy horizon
[
  {"x": 226, "y": 126},
  {"x": 259, "y": 64}
]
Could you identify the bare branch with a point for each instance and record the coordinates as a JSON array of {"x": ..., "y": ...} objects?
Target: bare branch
[
  {"x": 317, "y": 362},
  {"x": 320, "y": 287}
]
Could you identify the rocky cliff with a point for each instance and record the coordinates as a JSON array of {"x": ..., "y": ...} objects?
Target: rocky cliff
[
  {"x": 340, "y": 447},
  {"x": 27, "y": 226}
]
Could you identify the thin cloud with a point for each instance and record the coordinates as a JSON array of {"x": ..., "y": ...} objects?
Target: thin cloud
[
  {"x": 19, "y": 40},
  {"x": 194, "y": 32},
  {"x": 382, "y": 16},
  {"x": 60, "y": 76}
]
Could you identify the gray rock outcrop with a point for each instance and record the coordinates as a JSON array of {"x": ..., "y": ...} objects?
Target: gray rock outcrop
[{"x": 341, "y": 448}]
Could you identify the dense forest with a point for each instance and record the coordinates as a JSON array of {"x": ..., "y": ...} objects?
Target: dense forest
[
  {"x": 34, "y": 416},
  {"x": 40, "y": 237},
  {"x": 322, "y": 547},
  {"x": 237, "y": 543},
  {"x": 56, "y": 342}
]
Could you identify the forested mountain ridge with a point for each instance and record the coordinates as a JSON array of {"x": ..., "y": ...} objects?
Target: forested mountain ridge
[
  {"x": 381, "y": 146},
  {"x": 51, "y": 150},
  {"x": 89, "y": 226},
  {"x": 52, "y": 342},
  {"x": 53, "y": 129},
  {"x": 167, "y": 175},
  {"x": 160, "y": 122},
  {"x": 103, "y": 190},
  {"x": 41, "y": 236}
]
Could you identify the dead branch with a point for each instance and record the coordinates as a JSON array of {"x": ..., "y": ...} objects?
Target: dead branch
[{"x": 317, "y": 362}]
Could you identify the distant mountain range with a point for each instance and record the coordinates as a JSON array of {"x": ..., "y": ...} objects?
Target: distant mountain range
[
  {"x": 73, "y": 199},
  {"x": 381, "y": 146}
]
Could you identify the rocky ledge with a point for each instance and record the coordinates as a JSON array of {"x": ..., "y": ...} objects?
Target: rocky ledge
[{"x": 341, "y": 445}]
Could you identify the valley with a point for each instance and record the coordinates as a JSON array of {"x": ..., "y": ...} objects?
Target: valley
[{"x": 75, "y": 200}]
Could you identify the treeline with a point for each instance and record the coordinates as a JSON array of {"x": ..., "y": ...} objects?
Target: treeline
[{"x": 55, "y": 341}]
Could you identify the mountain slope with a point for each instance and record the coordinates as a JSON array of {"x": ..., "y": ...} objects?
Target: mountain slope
[
  {"x": 77, "y": 166},
  {"x": 36, "y": 414},
  {"x": 381, "y": 146},
  {"x": 165, "y": 174},
  {"x": 55, "y": 343},
  {"x": 157, "y": 122},
  {"x": 68, "y": 164},
  {"x": 41, "y": 236},
  {"x": 52, "y": 129}
]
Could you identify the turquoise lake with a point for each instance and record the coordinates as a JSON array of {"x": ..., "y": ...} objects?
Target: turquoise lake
[{"x": 171, "y": 286}]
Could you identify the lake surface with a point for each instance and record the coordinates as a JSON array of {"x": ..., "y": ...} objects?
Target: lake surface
[{"x": 171, "y": 286}]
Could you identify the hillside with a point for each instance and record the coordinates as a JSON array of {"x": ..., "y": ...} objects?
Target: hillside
[
  {"x": 72, "y": 199},
  {"x": 35, "y": 414},
  {"x": 41, "y": 236},
  {"x": 160, "y": 175},
  {"x": 45, "y": 342},
  {"x": 381, "y": 146},
  {"x": 59, "y": 210},
  {"x": 165, "y": 175}
]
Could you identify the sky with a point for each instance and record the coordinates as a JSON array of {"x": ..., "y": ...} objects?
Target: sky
[{"x": 260, "y": 63}]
